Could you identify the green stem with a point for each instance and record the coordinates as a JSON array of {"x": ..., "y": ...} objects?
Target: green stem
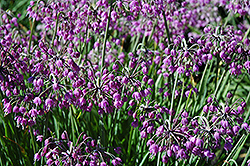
[
  {"x": 103, "y": 139},
  {"x": 237, "y": 85},
  {"x": 182, "y": 92},
  {"x": 222, "y": 77},
  {"x": 142, "y": 148},
  {"x": 31, "y": 33},
  {"x": 247, "y": 33},
  {"x": 203, "y": 76},
  {"x": 200, "y": 93},
  {"x": 166, "y": 26},
  {"x": 112, "y": 126},
  {"x": 87, "y": 35},
  {"x": 106, "y": 35},
  {"x": 235, "y": 148},
  {"x": 248, "y": 112},
  {"x": 245, "y": 159},
  {"x": 72, "y": 124},
  {"x": 173, "y": 94},
  {"x": 159, "y": 156},
  {"x": 217, "y": 70},
  {"x": 54, "y": 34},
  {"x": 32, "y": 140},
  {"x": 85, "y": 45},
  {"x": 227, "y": 19},
  {"x": 152, "y": 32},
  {"x": 129, "y": 142},
  {"x": 136, "y": 43}
]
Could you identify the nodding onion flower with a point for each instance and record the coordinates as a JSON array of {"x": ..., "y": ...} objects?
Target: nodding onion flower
[{"x": 85, "y": 151}]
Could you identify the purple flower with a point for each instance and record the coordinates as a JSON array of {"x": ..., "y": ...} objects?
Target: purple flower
[
  {"x": 59, "y": 63},
  {"x": 134, "y": 123},
  {"x": 199, "y": 142},
  {"x": 150, "y": 82},
  {"x": 64, "y": 135},
  {"x": 39, "y": 138},
  {"x": 150, "y": 142},
  {"x": 37, "y": 157},
  {"x": 216, "y": 136},
  {"x": 117, "y": 96},
  {"x": 22, "y": 110},
  {"x": 184, "y": 121},
  {"x": 164, "y": 159},
  {"x": 244, "y": 126},
  {"x": 195, "y": 68},
  {"x": 150, "y": 129},
  {"x": 160, "y": 130},
  {"x": 229, "y": 95},
  {"x": 240, "y": 110},
  {"x": 143, "y": 134},
  {"x": 228, "y": 146},
  {"x": 118, "y": 104},
  {"x": 145, "y": 70},
  {"x": 49, "y": 162},
  {"x": 104, "y": 104},
  {"x": 117, "y": 150},
  {"x": 33, "y": 112},
  {"x": 125, "y": 80},
  {"x": 205, "y": 109},
  {"x": 157, "y": 60},
  {"x": 169, "y": 153},
  {"x": 181, "y": 154},
  {"x": 136, "y": 96},
  {"x": 154, "y": 148},
  {"x": 189, "y": 145},
  {"x": 236, "y": 129},
  {"x": 37, "y": 101},
  {"x": 116, "y": 161},
  {"x": 71, "y": 75},
  {"x": 224, "y": 123},
  {"x": 209, "y": 99},
  {"x": 16, "y": 109},
  {"x": 49, "y": 102},
  {"x": 103, "y": 164},
  {"x": 40, "y": 82},
  {"x": 180, "y": 70},
  {"x": 207, "y": 153}
]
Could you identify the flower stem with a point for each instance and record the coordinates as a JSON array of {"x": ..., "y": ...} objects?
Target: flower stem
[
  {"x": 245, "y": 159},
  {"x": 54, "y": 34},
  {"x": 31, "y": 33},
  {"x": 172, "y": 100},
  {"x": 248, "y": 112},
  {"x": 166, "y": 26},
  {"x": 32, "y": 140},
  {"x": 72, "y": 123},
  {"x": 106, "y": 35},
  {"x": 247, "y": 33},
  {"x": 86, "y": 43},
  {"x": 182, "y": 92}
]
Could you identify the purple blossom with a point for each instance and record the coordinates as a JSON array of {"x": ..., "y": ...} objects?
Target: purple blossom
[{"x": 37, "y": 101}]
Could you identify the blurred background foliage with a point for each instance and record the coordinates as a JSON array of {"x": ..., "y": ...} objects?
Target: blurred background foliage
[{"x": 16, "y": 7}]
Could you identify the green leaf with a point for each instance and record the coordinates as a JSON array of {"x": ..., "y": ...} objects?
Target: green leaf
[
  {"x": 144, "y": 158},
  {"x": 235, "y": 152}
]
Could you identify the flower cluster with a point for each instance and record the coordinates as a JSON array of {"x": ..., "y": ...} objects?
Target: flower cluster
[
  {"x": 86, "y": 151},
  {"x": 137, "y": 57},
  {"x": 182, "y": 135}
]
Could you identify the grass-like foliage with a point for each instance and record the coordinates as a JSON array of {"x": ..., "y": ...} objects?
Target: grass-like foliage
[{"x": 126, "y": 82}]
